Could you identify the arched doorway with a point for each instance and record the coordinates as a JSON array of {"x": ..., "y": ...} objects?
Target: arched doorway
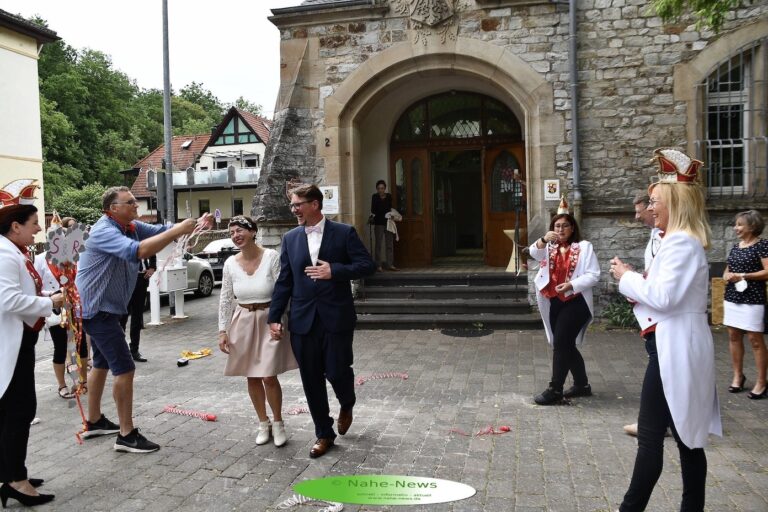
[{"x": 457, "y": 166}]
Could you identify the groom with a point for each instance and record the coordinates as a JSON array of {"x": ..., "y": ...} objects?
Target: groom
[{"x": 318, "y": 260}]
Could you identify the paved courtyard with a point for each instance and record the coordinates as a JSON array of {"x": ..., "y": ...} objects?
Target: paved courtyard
[{"x": 564, "y": 458}]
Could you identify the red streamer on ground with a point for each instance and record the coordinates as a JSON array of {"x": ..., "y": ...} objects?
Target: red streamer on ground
[
  {"x": 359, "y": 381},
  {"x": 362, "y": 379},
  {"x": 205, "y": 416},
  {"x": 297, "y": 409},
  {"x": 487, "y": 431}
]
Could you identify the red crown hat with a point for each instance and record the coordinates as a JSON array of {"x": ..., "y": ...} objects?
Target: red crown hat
[
  {"x": 563, "y": 207},
  {"x": 675, "y": 166},
  {"x": 18, "y": 192}
]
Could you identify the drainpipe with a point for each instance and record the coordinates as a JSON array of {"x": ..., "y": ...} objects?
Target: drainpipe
[{"x": 574, "y": 75}]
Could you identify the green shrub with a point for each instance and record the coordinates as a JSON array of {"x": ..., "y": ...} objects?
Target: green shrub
[{"x": 619, "y": 313}]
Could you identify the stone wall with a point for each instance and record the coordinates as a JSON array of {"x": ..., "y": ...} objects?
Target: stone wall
[{"x": 627, "y": 103}]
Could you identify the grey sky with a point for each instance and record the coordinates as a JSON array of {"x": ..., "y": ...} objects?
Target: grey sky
[{"x": 228, "y": 45}]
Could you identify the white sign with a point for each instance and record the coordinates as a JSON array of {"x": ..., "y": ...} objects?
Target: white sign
[
  {"x": 65, "y": 245},
  {"x": 216, "y": 215},
  {"x": 330, "y": 200},
  {"x": 551, "y": 190}
]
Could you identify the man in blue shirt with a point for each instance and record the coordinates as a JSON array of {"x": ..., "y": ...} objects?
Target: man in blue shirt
[{"x": 105, "y": 279}]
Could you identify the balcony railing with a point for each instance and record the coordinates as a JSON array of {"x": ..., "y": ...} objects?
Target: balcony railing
[{"x": 195, "y": 178}]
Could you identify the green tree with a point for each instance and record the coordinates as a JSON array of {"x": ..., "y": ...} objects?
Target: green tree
[
  {"x": 199, "y": 95},
  {"x": 83, "y": 203},
  {"x": 243, "y": 104},
  {"x": 708, "y": 13}
]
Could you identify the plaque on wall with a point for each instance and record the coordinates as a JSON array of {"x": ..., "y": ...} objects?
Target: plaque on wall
[
  {"x": 551, "y": 190},
  {"x": 330, "y": 200}
]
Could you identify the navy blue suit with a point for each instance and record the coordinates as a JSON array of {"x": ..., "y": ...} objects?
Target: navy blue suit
[{"x": 322, "y": 316}]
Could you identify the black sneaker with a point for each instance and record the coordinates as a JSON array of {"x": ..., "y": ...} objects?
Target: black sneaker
[
  {"x": 135, "y": 443},
  {"x": 575, "y": 391},
  {"x": 103, "y": 427},
  {"x": 549, "y": 396}
]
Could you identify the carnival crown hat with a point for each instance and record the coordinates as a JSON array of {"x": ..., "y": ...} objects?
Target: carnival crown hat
[
  {"x": 15, "y": 194},
  {"x": 563, "y": 207},
  {"x": 675, "y": 166}
]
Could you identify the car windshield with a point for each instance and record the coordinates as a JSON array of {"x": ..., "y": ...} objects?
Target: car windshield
[{"x": 218, "y": 245}]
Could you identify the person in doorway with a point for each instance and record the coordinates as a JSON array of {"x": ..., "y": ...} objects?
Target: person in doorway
[
  {"x": 136, "y": 306},
  {"x": 51, "y": 284},
  {"x": 317, "y": 261},
  {"x": 745, "y": 298},
  {"x": 105, "y": 279},
  {"x": 384, "y": 247},
  {"x": 679, "y": 388},
  {"x": 246, "y": 290},
  {"x": 644, "y": 215},
  {"x": 23, "y": 309},
  {"x": 568, "y": 272}
]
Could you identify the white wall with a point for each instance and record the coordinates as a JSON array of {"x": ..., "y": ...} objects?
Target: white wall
[
  {"x": 221, "y": 199},
  {"x": 21, "y": 151},
  {"x": 207, "y": 158}
]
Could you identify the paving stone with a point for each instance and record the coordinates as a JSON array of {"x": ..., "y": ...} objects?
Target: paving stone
[{"x": 559, "y": 458}]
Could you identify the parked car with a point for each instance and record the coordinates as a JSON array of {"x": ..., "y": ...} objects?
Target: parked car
[
  {"x": 199, "y": 276},
  {"x": 216, "y": 253}
]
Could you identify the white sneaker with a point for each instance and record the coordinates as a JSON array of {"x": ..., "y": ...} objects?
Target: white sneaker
[
  {"x": 262, "y": 436},
  {"x": 631, "y": 429},
  {"x": 278, "y": 433}
]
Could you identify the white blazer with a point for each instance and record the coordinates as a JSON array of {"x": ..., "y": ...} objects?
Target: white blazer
[
  {"x": 674, "y": 297},
  {"x": 585, "y": 276},
  {"x": 19, "y": 304}
]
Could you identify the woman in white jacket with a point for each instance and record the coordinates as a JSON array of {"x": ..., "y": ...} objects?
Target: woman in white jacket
[
  {"x": 671, "y": 308},
  {"x": 22, "y": 314},
  {"x": 568, "y": 271}
]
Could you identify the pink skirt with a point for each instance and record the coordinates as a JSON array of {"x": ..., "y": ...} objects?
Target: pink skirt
[{"x": 252, "y": 351}]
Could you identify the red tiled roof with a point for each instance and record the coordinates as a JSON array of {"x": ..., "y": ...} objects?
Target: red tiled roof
[
  {"x": 182, "y": 158},
  {"x": 139, "y": 188},
  {"x": 261, "y": 125}
]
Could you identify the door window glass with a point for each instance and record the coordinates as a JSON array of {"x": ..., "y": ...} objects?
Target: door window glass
[
  {"x": 402, "y": 191},
  {"x": 507, "y": 194}
]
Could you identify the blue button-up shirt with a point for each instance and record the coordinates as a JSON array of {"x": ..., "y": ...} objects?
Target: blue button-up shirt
[{"x": 106, "y": 272}]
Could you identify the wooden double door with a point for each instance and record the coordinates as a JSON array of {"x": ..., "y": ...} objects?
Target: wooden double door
[{"x": 433, "y": 210}]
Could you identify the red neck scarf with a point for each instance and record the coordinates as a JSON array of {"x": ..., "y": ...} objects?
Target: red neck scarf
[{"x": 127, "y": 228}]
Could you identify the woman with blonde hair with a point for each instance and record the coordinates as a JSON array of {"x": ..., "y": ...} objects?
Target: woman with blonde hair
[
  {"x": 671, "y": 307},
  {"x": 745, "y": 299}
]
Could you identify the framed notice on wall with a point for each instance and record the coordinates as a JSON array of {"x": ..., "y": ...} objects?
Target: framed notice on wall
[
  {"x": 330, "y": 200},
  {"x": 551, "y": 190}
]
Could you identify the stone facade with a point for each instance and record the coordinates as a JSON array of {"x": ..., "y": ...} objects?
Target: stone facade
[{"x": 342, "y": 61}]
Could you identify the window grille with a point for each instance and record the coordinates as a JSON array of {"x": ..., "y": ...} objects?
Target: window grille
[{"x": 734, "y": 125}]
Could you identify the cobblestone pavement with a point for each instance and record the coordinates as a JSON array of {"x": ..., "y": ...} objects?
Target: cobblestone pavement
[{"x": 566, "y": 458}]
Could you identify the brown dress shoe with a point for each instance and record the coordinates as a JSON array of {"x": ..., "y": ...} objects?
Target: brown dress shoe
[
  {"x": 345, "y": 420},
  {"x": 322, "y": 445}
]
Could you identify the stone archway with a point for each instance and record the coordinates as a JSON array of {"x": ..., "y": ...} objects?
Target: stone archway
[{"x": 375, "y": 90}]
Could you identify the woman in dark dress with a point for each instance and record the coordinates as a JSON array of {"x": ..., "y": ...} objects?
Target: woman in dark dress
[
  {"x": 744, "y": 304},
  {"x": 381, "y": 205}
]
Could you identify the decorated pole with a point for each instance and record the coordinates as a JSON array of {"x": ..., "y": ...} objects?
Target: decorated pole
[{"x": 64, "y": 246}]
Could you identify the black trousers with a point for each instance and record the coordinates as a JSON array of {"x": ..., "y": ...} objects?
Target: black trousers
[
  {"x": 136, "y": 312},
  {"x": 652, "y": 423},
  {"x": 59, "y": 337},
  {"x": 567, "y": 319},
  {"x": 325, "y": 355},
  {"x": 17, "y": 410}
]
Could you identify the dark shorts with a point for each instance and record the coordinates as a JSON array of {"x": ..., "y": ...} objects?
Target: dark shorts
[{"x": 110, "y": 350}]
